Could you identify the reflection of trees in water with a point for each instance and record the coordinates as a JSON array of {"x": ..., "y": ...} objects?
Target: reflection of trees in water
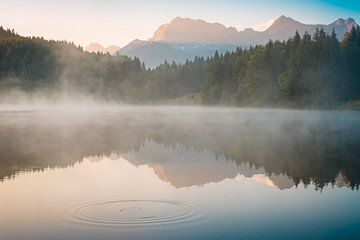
[
  {"x": 307, "y": 149},
  {"x": 311, "y": 153}
]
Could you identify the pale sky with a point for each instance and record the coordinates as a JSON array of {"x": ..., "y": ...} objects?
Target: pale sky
[{"x": 117, "y": 22}]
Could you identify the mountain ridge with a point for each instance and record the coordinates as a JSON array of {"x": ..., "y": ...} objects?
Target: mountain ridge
[
  {"x": 186, "y": 30},
  {"x": 185, "y": 38},
  {"x": 96, "y": 47}
]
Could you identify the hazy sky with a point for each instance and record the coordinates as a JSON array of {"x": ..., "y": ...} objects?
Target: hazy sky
[{"x": 120, "y": 21}]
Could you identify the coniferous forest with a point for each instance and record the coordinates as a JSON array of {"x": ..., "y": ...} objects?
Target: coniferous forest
[{"x": 317, "y": 72}]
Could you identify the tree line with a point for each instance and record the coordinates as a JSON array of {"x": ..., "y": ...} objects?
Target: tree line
[
  {"x": 303, "y": 72},
  {"x": 309, "y": 71}
]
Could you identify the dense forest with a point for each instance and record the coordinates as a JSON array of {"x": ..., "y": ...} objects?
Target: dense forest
[{"x": 303, "y": 72}]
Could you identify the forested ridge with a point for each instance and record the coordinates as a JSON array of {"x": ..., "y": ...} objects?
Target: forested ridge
[{"x": 303, "y": 72}]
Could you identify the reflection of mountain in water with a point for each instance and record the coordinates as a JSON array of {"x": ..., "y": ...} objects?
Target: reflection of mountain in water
[
  {"x": 183, "y": 167},
  {"x": 188, "y": 146}
]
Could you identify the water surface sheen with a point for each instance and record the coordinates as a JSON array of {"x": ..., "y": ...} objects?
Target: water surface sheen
[{"x": 178, "y": 173}]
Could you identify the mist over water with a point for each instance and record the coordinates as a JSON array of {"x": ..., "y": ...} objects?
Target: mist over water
[
  {"x": 290, "y": 142},
  {"x": 158, "y": 172}
]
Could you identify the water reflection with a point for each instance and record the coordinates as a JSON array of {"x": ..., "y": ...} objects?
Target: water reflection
[
  {"x": 179, "y": 173},
  {"x": 184, "y": 167},
  {"x": 301, "y": 146},
  {"x": 110, "y": 197}
]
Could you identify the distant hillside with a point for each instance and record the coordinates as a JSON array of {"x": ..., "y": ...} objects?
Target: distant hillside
[
  {"x": 185, "y": 30},
  {"x": 154, "y": 53},
  {"x": 185, "y": 38},
  {"x": 95, "y": 47}
]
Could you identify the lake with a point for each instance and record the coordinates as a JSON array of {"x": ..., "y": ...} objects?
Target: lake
[{"x": 178, "y": 173}]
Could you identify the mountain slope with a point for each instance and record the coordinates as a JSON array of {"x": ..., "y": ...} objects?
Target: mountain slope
[
  {"x": 285, "y": 27},
  {"x": 185, "y": 30},
  {"x": 95, "y": 47},
  {"x": 153, "y": 53},
  {"x": 185, "y": 38}
]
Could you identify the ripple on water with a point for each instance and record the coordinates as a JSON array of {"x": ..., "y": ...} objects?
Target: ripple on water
[{"x": 134, "y": 213}]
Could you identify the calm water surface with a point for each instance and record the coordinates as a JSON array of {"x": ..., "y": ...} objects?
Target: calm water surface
[{"x": 179, "y": 173}]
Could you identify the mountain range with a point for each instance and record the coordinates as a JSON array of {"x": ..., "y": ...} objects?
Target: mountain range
[{"x": 184, "y": 38}]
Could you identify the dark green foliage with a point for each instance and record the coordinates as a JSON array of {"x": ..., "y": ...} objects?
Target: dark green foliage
[
  {"x": 304, "y": 72},
  {"x": 27, "y": 59},
  {"x": 351, "y": 51},
  {"x": 33, "y": 63},
  {"x": 7, "y": 34}
]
